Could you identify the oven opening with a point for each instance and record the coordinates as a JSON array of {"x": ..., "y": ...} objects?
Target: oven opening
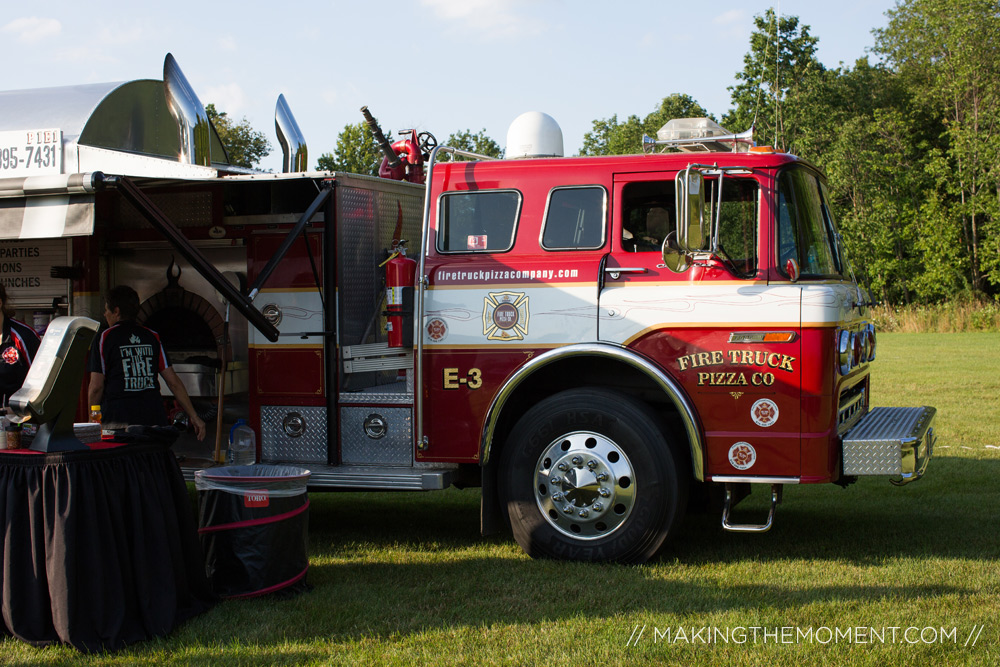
[{"x": 185, "y": 335}]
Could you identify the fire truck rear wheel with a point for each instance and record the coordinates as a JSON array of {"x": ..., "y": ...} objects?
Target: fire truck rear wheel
[{"x": 589, "y": 474}]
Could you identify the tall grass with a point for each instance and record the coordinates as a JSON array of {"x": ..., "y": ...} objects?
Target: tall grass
[{"x": 958, "y": 316}]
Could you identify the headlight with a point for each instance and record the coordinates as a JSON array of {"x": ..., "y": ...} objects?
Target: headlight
[{"x": 845, "y": 351}]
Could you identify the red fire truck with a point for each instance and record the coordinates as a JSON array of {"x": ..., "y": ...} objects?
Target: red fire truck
[{"x": 587, "y": 339}]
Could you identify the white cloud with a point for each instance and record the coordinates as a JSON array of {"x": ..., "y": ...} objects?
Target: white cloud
[
  {"x": 228, "y": 43},
  {"x": 83, "y": 54},
  {"x": 485, "y": 19},
  {"x": 731, "y": 17},
  {"x": 30, "y": 29},
  {"x": 227, "y": 97},
  {"x": 733, "y": 26},
  {"x": 330, "y": 97},
  {"x": 122, "y": 34}
]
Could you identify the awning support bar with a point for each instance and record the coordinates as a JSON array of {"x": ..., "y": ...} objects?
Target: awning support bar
[{"x": 158, "y": 220}]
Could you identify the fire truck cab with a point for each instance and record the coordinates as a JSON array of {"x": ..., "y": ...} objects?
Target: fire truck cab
[
  {"x": 616, "y": 329},
  {"x": 587, "y": 339}
]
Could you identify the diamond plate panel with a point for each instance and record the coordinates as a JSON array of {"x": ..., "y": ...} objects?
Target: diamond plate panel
[
  {"x": 395, "y": 448},
  {"x": 276, "y": 445},
  {"x": 872, "y": 458},
  {"x": 184, "y": 209},
  {"x": 367, "y": 215},
  {"x": 376, "y": 397},
  {"x": 891, "y": 424},
  {"x": 397, "y": 393},
  {"x": 879, "y": 441},
  {"x": 359, "y": 280}
]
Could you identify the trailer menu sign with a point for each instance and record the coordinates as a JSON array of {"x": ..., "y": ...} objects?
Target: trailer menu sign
[
  {"x": 26, "y": 267},
  {"x": 30, "y": 153}
]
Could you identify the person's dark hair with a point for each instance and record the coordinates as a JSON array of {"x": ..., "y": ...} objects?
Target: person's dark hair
[
  {"x": 8, "y": 311},
  {"x": 125, "y": 299}
]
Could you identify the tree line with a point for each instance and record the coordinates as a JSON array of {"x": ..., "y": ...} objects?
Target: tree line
[{"x": 909, "y": 140}]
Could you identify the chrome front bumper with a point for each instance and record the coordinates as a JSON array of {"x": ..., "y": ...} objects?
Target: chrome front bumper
[{"x": 890, "y": 441}]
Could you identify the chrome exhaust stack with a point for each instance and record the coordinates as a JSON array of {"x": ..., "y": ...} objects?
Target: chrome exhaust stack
[
  {"x": 293, "y": 145},
  {"x": 187, "y": 109}
]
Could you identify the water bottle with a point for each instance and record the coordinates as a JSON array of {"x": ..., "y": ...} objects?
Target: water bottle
[{"x": 242, "y": 449}]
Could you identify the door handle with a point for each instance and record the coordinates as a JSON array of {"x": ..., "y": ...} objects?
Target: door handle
[{"x": 616, "y": 272}]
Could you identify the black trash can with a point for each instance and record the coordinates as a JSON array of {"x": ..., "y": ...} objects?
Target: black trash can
[{"x": 254, "y": 528}]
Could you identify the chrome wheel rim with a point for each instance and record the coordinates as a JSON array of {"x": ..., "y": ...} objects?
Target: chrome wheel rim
[{"x": 585, "y": 485}]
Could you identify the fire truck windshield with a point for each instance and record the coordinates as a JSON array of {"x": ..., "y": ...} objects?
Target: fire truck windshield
[{"x": 806, "y": 230}]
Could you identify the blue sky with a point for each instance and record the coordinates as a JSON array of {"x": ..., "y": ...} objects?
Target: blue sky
[{"x": 437, "y": 65}]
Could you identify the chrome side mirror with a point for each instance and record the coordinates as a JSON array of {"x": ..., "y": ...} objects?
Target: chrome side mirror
[
  {"x": 692, "y": 233},
  {"x": 674, "y": 258}
]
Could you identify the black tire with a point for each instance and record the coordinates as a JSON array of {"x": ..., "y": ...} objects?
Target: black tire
[{"x": 577, "y": 437}]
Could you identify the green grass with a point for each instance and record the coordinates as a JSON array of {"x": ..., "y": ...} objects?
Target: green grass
[{"x": 404, "y": 578}]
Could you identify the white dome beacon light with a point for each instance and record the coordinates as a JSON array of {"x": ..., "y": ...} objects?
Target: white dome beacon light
[{"x": 534, "y": 134}]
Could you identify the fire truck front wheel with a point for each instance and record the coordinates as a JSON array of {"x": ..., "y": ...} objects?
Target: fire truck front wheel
[{"x": 589, "y": 474}]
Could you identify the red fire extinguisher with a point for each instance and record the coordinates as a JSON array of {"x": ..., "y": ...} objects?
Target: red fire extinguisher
[{"x": 400, "y": 272}]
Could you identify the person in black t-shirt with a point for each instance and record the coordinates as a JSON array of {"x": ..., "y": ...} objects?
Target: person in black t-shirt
[
  {"x": 125, "y": 359},
  {"x": 18, "y": 346}
]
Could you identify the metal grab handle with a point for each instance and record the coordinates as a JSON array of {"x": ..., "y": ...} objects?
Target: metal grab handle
[
  {"x": 616, "y": 272},
  {"x": 626, "y": 269}
]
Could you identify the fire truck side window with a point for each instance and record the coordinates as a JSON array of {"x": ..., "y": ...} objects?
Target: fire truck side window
[
  {"x": 804, "y": 232},
  {"x": 575, "y": 219},
  {"x": 482, "y": 221},
  {"x": 737, "y": 222},
  {"x": 647, "y": 215}
]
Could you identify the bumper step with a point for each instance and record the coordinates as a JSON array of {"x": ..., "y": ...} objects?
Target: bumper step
[{"x": 891, "y": 441}]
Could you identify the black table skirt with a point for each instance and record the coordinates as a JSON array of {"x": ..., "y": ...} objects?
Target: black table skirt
[{"x": 100, "y": 548}]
